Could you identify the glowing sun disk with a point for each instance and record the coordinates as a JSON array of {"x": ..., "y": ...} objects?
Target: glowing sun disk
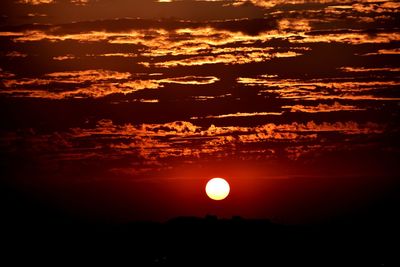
[{"x": 217, "y": 188}]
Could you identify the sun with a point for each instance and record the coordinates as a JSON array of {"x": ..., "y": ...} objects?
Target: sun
[{"x": 217, "y": 188}]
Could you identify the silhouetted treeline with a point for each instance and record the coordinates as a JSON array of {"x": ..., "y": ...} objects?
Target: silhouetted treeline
[
  {"x": 209, "y": 241},
  {"x": 32, "y": 234}
]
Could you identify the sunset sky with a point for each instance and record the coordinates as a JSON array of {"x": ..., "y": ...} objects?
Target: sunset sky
[{"x": 123, "y": 110}]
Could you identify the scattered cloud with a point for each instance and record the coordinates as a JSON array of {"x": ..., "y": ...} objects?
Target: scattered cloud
[
  {"x": 36, "y": 2},
  {"x": 239, "y": 114},
  {"x": 16, "y": 54},
  {"x": 322, "y": 108},
  {"x": 319, "y": 89},
  {"x": 298, "y": 82},
  {"x": 91, "y": 83},
  {"x": 191, "y": 80},
  {"x": 64, "y": 57},
  {"x": 154, "y": 144},
  {"x": 363, "y": 69}
]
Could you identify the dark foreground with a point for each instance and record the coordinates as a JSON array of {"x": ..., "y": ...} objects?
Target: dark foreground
[
  {"x": 33, "y": 233},
  {"x": 209, "y": 241}
]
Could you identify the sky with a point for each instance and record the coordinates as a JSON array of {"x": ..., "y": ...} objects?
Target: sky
[{"x": 123, "y": 110}]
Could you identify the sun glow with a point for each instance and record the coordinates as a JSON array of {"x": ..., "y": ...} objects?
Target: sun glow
[{"x": 217, "y": 189}]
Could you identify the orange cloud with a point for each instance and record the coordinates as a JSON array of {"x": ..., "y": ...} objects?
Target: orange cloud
[
  {"x": 65, "y": 57},
  {"x": 5, "y": 74},
  {"x": 362, "y": 69},
  {"x": 152, "y": 146},
  {"x": 240, "y": 114},
  {"x": 91, "y": 83},
  {"x": 88, "y": 75},
  {"x": 80, "y": 2},
  {"x": 322, "y": 108},
  {"x": 315, "y": 89},
  {"x": 36, "y": 2},
  {"x": 16, "y": 54},
  {"x": 395, "y": 51},
  {"x": 190, "y": 80},
  {"x": 155, "y": 142}
]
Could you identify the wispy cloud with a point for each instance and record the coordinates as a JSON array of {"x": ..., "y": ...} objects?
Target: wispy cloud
[
  {"x": 91, "y": 83},
  {"x": 154, "y": 145},
  {"x": 36, "y": 2},
  {"x": 322, "y": 108},
  {"x": 240, "y": 114},
  {"x": 343, "y": 88}
]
